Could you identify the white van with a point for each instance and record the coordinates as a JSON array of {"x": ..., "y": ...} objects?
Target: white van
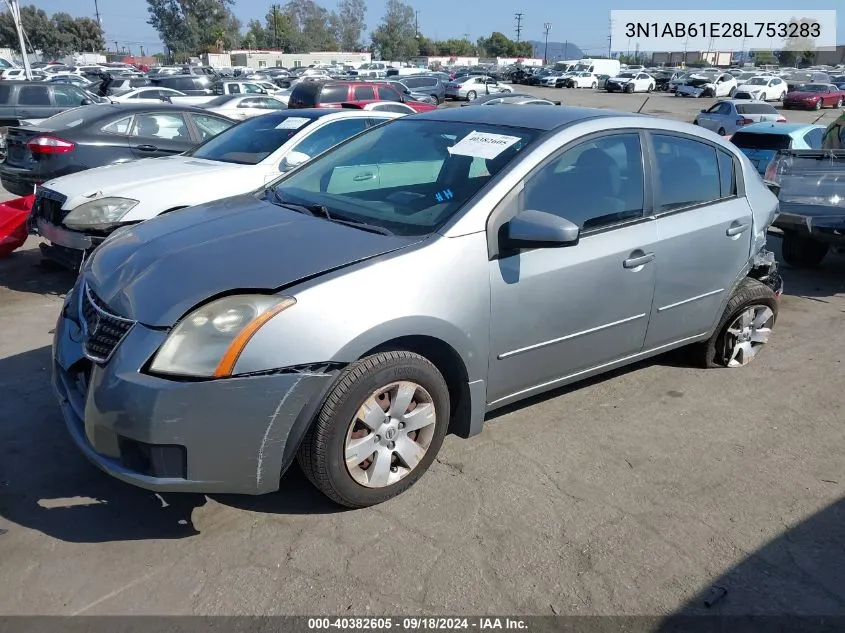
[{"x": 610, "y": 67}]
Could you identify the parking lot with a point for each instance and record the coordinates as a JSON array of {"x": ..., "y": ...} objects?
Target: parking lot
[{"x": 629, "y": 494}]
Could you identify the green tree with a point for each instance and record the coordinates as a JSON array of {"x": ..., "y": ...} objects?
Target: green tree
[
  {"x": 764, "y": 57},
  {"x": 189, "y": 26},
  {"x": 395, "y": 38},
  {"x": 500, "y": 45},
  {"x": 350, "y": 23},
  {"x": 455, "y": 47},
  {"x": 311, "y": 27}
]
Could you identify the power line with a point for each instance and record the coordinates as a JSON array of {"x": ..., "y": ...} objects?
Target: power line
[{"x": 518, "y": 17}]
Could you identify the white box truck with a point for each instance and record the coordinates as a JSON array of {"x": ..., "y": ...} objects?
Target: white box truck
[{"x": 610, "y": 67}]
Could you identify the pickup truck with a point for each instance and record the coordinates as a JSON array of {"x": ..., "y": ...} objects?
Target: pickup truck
[
  {"x": 220, "y": 88},
  {"x": 810, "y": 185}
]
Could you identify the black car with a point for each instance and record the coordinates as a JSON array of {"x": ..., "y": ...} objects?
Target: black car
[
  {"x": 662, "y": 79},
  {"x": 20, "y": 100},
  {"x": 192, "y": 85},
  {"x": 98, "y": 135}
]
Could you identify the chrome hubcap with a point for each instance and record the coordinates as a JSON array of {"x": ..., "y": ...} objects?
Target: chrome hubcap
[
  {"x": 747, "y": 334},
  {"x": 390, "y": 434}
]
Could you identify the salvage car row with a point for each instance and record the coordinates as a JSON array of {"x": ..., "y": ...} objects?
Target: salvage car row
[{"x": 243, "y": 310}]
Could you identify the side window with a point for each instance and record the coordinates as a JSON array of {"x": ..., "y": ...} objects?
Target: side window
[
  {"x": 5, "y": 93},
  {"x": 724, "y": 108},
  {"x": 34, "y": 95},
  {"x": 121, "y": 126},
  {"x": 65, "y": 96},
  {"x": 252, "y": 89},
  {"x": 386, "y": 93},
  {"x": 813, "y": 138},
  {"x": 164, "y": 125},
  {"x": 596, "y": 183},
  {"x": 147, "y": 94},
  {"x": 208, "y": 126},
  {"x": 364, "y": 93},
  {"x": 391, "y": 107},
  {"x": 234, "y": 89},
  {"x": 271, "y": 104},
  {"x": 727, "y": 175},
  {"x": 687, "y": 171},
  {"x": 330, "y": 135},
  {"x": 252, "y": 102}
]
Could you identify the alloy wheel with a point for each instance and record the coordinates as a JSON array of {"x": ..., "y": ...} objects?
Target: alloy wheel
[
  {"x": 390, "y": 434},
  {"x": 747, "y": 334}
]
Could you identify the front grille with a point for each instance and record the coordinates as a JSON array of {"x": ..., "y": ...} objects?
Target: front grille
[
  {"x": 48, "y": 206},
  {"x": 102, "y": 331}
]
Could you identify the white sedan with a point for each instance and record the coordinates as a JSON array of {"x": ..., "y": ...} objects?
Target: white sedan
[
  {"x": 150, "y": 94},
  {"x": 764, "y": 88},
  {"x": 242, "y": 107},
  {"x": 237, "y": 161},
  {"x": 631, "y": 82},
  {"x": 584, "y": 80}
]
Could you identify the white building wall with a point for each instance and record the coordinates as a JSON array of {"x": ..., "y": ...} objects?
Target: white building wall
[{"x": 270, "y": 59}]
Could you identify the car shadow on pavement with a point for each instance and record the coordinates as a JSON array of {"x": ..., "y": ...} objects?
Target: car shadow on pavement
[
  {"x": 27, "y": 271},
  {"x": 46, "y": 484},
  {"x": 797, "y": 579},
  {"x": 826, "y": 280}
]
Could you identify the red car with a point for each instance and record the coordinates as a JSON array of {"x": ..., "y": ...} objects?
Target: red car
[
  {"x": 815, "y": 97},
  {"x": 333, "y": 94}
]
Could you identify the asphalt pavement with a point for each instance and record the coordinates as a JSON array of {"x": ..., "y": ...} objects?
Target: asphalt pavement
[{"x": 629, "y": 494}]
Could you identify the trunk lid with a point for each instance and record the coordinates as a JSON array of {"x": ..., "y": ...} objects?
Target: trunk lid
[{"x": 17, "y": 152}]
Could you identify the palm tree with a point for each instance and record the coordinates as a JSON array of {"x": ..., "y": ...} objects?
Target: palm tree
[{"x": 219, "y": 41}]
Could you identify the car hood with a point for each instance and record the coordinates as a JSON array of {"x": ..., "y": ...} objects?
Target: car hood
[
  {"x": 752, "y": 88},
  {"x": 156, "y": 271},
  {"x": 801, "y": 94},
  {"x": 621, "y": 80},
  {"x": 127, "y": 179}
]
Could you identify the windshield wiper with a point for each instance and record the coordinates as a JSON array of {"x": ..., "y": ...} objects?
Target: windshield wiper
[{"x": 321, "y": 211}]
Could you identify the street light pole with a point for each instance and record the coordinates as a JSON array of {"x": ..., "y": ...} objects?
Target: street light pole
[
  {"x": 547, "y": 26},
  {"x": 15, "y": 10}
]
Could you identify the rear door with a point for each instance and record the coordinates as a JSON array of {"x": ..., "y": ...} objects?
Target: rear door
[
  {"x": 34, "y": 102},
  {"x": 704, "y": 227},
  {"x": 159, "y": 133},
  {"x": 715, "y": 117}
]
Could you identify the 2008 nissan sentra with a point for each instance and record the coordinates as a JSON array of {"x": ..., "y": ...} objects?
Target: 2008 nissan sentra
[{"x": 404, "y": 284}]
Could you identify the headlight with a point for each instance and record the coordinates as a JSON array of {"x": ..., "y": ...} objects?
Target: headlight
[
  {"x": 208, "y": 342},
  {"x": 99, "y": 214}
]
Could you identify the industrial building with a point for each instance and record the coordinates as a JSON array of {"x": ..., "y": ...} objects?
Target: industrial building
[{"x": 270, "y": 59}]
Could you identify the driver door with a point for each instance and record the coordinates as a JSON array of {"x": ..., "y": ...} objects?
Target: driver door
[{"x": 560, "y": 312}]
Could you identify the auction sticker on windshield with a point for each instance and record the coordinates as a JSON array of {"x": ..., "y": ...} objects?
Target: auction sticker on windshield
[
  {"x": 292, "y": 123},
  {"x": 483, "y": 144}
]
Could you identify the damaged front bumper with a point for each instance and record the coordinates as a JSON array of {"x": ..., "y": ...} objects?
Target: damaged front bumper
[{"x": 235, "y": 435}]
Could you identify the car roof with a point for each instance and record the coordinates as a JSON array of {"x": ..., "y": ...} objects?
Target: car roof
[
  {"x": 770, "y": 127},
  {"x": 744, "y": 101},
  {"x": 544, "y": 119},
  {"x": 142, "y": 107}
]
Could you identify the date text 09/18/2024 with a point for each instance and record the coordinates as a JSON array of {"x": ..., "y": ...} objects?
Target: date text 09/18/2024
[{"x": 723, "y": 29}]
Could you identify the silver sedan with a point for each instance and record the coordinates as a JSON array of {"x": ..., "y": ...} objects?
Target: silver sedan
[{"x": 400, "y": 287}]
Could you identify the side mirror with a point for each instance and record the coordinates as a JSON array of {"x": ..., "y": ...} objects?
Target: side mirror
[
  {"x": 540, "y": 229},
  {"x": 86, "y": 101},
  {"x": 293, "y": 159},
  {"x": 704, "y": 110}
]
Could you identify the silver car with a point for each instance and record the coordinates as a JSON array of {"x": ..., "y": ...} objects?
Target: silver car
[
  {"x": 401, "y": 286},
  {"x": 473, "y": 86},
  {"x": 728, "y": 116}
]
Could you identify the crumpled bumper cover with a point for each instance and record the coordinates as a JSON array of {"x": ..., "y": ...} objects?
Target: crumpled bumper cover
[{"x": 236, "y": 435}]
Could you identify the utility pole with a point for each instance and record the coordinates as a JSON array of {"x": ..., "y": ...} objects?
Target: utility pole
[
  {"x": 609, "y": 39},
  {"x": 15, "y": 10},
  {"x": 417, "y": 23},
  {"x": 547, "y": 26},
  {"x": 97, "y": 13},
  {"x": 275, "y": 27},
  {"x": 518, "y": 17}
]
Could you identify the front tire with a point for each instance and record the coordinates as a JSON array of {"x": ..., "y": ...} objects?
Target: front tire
[
  {"x": 802, "y": 251},
  {"x": 838, "y": 103},
  {"x": 629, "y": 89},
  {"x": 818, "y": 105},
  {"x": 650, "y": 88},
  {"x": 763, "y": 97},
  {"x": 594, "y": 86},
  {"x": 744, "y": 328},
  {"x": 379, "y": 429},
  {"x": 472, "y": 95},
  {"x": 732, "y": 93}
]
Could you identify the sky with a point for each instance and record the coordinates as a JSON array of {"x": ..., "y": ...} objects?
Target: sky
[{"x": 125, "y": 21}]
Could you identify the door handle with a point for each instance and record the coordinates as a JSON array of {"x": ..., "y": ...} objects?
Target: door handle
[
  {"x": 638, "y": 260},
  {"x": 363, "y": 177},
  {"x": 736, "y": 229},
  {"x": 147, "y": 148}
]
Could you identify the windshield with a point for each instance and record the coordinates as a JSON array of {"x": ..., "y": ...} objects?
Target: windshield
[
  {"x": 408, "y": 176},
  {"x": 74, "y": 117},
  {"x": 253, "y": 140},
  {"x": 758, "y": 81},
  {"x": 755, "y": 108},
  {"x": 627, "y": 75},
  {"x": 814, "y": 88},
  {"x": 218, "y": 101}
]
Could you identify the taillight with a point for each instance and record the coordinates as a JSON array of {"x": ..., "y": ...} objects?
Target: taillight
[
  {"x": 744, "y": 121},
  {"x": 771, "y": 171},
  {"x": 781, "y": 119},
  {"x": 49, "y": 145}
]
